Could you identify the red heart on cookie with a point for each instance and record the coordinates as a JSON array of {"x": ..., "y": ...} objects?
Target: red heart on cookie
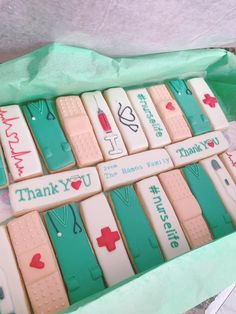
[
  {"x": 36, "y": 262},
  {"x": 169, "y": 106},
  {"x": 211, "y": 143},
  {"x": 76, "y": 184}
]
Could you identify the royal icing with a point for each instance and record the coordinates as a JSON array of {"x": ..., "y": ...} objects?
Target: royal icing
[{"x": 229, "y": 160}]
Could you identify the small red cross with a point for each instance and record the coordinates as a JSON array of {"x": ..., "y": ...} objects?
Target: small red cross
[
  {"x": 209, "y": 100},
  {"x": 108, "y": 239}
]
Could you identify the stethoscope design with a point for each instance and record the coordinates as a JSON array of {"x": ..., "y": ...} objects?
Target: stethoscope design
[
  {"x": 49, "y": 116},
  {"x": 181, "y": 83},
  {"x": 64, "y": 221},
  {"x": 126, "y": 117}
]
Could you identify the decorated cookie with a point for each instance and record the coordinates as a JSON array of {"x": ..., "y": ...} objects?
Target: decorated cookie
[
  {"x": 197, "y": 119},
  {"x": 138, "y": 234},
  {"x": 106, "y": 239},
  {"x": 80, "y": 270},
  {"x": 212, "y": 207},
  {"x": 5, "y": 207},
  {"x": 223, "y": 183},
  {"x": 196, "y": 148},
  {"x": 53, "y": 145},
  {"x": 3, "y": 172},
  {"x": 208, "y": 102},
  {"x": 18, "y": 145},
  {"x": 79, "y": 131},
  {"x": 108, "y": 135},
  {"x": 186, "y": 208},
  {"x": 130, "y": 169},
  {"x": 13, "y": 298},
  {"x": 162, "y": 217},
  {"x": 37, "y": 264},
  {"x": 229, "y": 160},
  {"x": 170, "y": 113},
  {"x": 126, "y": 120},
  {"x": 54, "y": 190},
  {"x": 150, "y": 120},
  {"x": 230, "y": 134}
]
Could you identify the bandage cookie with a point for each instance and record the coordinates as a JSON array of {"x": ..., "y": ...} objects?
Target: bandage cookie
[
  {"x": 107, "y": 133},
  {"x": 186, "y": 208},
  {"x": 79, "y": 131},
  {"x": 13, "y": 297},
  {"x": 48, "y": 134},
  {"x": 54, "y": 190},
  {"x": 170, "y": 113},
  {"x": 196, "y": 148},
  {"x": 212, "y": 207},
  {"x": 197, "y": 119},
  {"x": 106, "y": 239},
  {"x": 209, "y": 103},
  {"x": 223, "y": 183},
  {"x": 80, "y": 270},
  {"x": 229, "y": 160},
  {"x": 38, "y": 264},
  {"x": 138, "y": 235},
  {"x": 162, "y": 217},
  {"x": 130, "y": 169},
  {"x": 126, "y": 120},
  {"x": 3, "y": 172},
  {"x": 150, "y": 120},
  {"x": 18, "y": 145},
  {"x": 230, "y": 134}
]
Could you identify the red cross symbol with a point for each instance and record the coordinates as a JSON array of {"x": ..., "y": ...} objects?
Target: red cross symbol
[
  {"x": 108, "y": 239},
  {"x": 209, "y": 100}
]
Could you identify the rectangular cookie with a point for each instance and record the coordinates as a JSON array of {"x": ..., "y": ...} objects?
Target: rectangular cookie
[
  {"x": 196, "y": 148},
  {"x": 126, "y": 120},
  {"x": 5, "y": 207},
  {"x": 162, "y": 217},
  {"x": 106, "y": 240},
  {"x": 3, "y": 172},
  {"x": 170, "y": 113},
  {"x": 129, "y": 169},
  {"x": 107, "y": 133},
  {"x": 229, "y": 160},
  {"x": 13, "y": 297},
  {"x": 53, "y": 190},
  {"x": 230, "y": 134},
  {"x": 79, "y": 131},
  {"x": 18, "y": 145},
  {"x": 49, "y": 136},
  {"x": 150, "y": 120}
]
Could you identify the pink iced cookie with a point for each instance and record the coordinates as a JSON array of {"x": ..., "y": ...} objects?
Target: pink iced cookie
[{"x": 38, "y": 264}]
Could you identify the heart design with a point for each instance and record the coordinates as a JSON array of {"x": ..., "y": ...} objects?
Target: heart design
[
  {"x": 126, "y": 113},
  {"x": 36, "y": 262},
  {"x": 170, "y": 106},
  {"x": 211, "y": 143},
  {"x": 76, "y": 184}
]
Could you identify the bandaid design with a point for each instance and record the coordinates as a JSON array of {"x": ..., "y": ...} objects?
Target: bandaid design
[
  {"x": 3, "y": 171},
  {"x": 126, "y": 120},
  {"x": 209, "y": 103},
  {"x": 38, "y": 264},
  {"x": 130, "y": 169},
  {"x": 170, "y": 113},
  {"x": 196, "y": 148},
  {"x": 108, "y": 135},
  {"x": 138, "y": 235},
  {"x": 106, "y": 239},
  {"x": 48, "y": 134},
  {"x": 223, "y": 183},
  {"x": 54, "y": 190},
  {"x": 197, "y": 120},
  {"x": 230, "y": 134},
  {"x": 79, "y": 131},
  {"x": 18, "y": 145},
  {"x": 229, "y": 160},
  {"x": 162, "y": 217},
  {"x": 151, "y": 122},
  {"x": 12, "y": 295},
  {"x": 212, "y": 207},
  {"x": 186, "y": 208},
  {"x": 80, "y": 269}
]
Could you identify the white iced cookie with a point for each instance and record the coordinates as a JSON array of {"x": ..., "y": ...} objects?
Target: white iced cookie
[
  {"x": 162, "y": 217},
  {"x": 130, "y": 169},
  {"x": 107, "y": 133},
  {"x": 229, "y": 160},
  {"x": 208, "y": 103},
  {"x": 106, "y": 240},
  {"x": 18, "y": 145},
  {"x": 197, "y": 148},
  {"x": 230, "y": 134},
  {"x": 151, "y": 122},
  {"x": 126, "y": 120}
]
